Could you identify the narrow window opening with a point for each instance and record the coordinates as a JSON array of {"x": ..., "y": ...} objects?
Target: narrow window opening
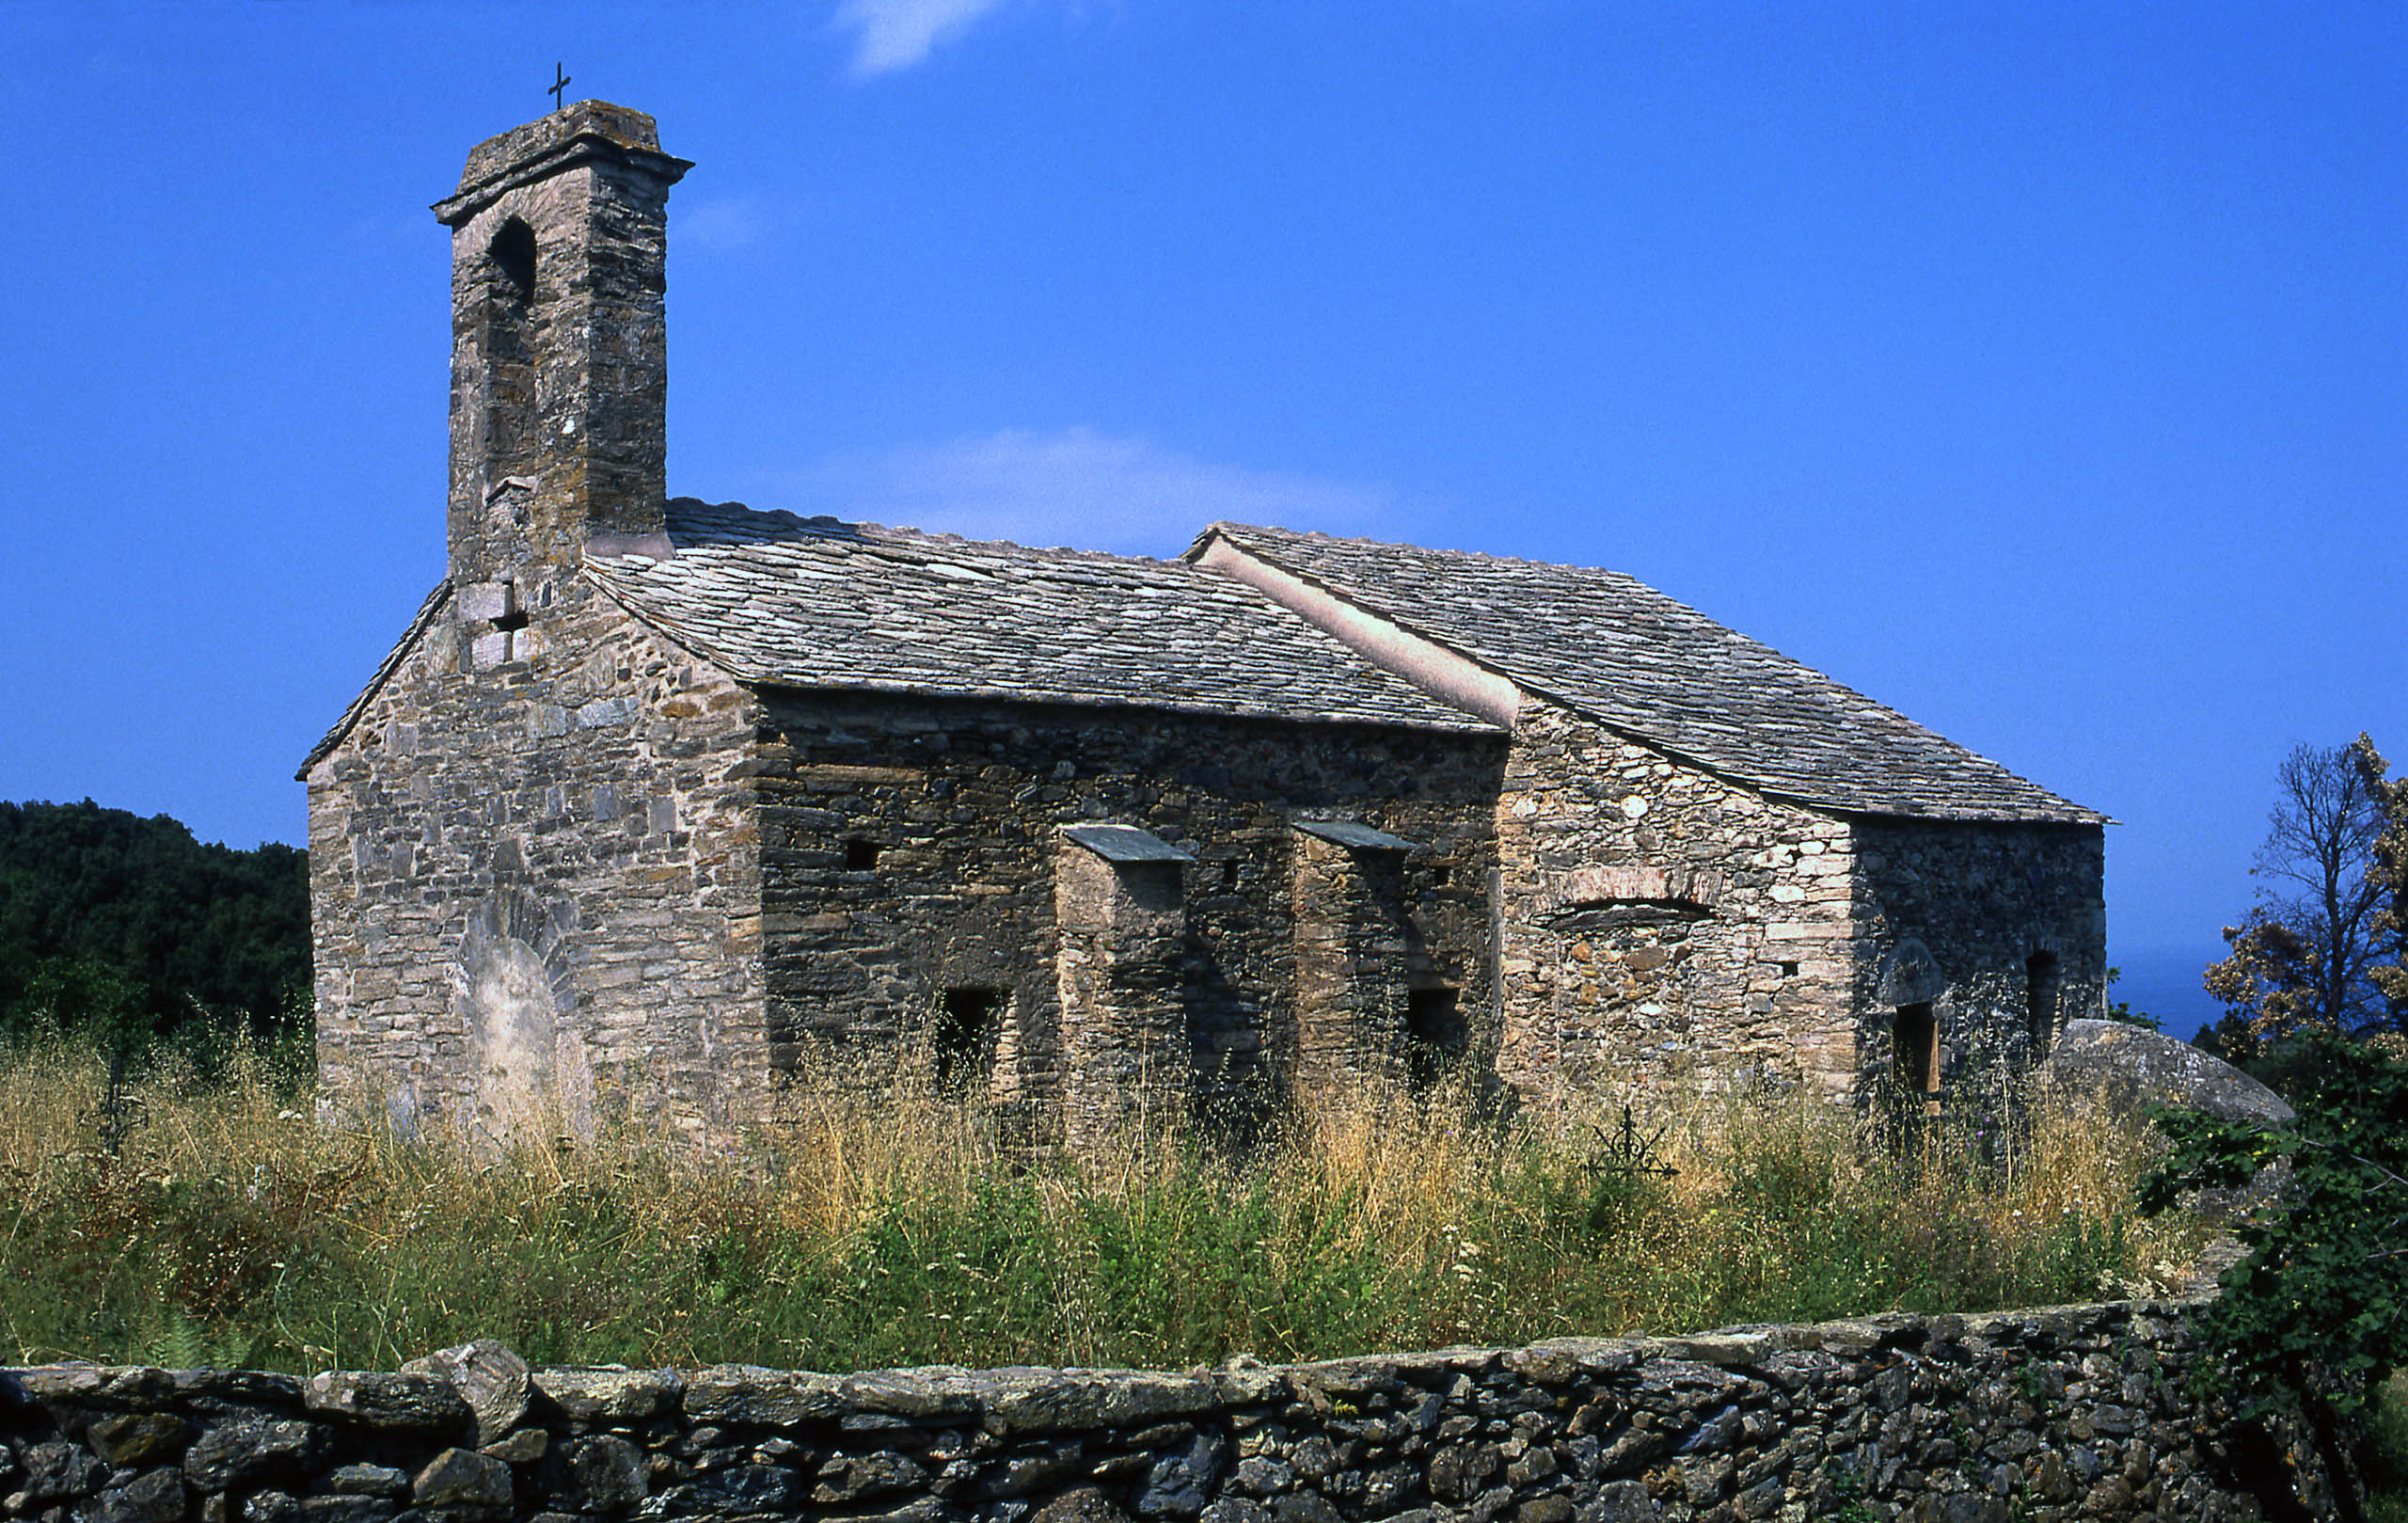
[
  {"x": 509, "y": 624},
  {"x": 510, "y": 364},
  {"x": 1434, "y": 1035},
  {"x": 860, "y": 855},
  {"x": 1917, "y": 1035},
  {"x": 513, "y": 258},
  {"x": 2040, "y": 994},
  {"x": 1789, "y": 970},
  {"x": 961, "y": 1042},
  {"x": 1439, "y": 875},
  {"x": 1229, "y": 873}
]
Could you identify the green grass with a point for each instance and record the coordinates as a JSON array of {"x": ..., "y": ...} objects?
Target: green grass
[
  {"x": 234, "y": 1230},
  {"x": 2386, "y": 1456}
]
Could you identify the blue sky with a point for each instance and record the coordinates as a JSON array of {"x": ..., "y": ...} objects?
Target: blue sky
[{"x": 2040, "y": 370}]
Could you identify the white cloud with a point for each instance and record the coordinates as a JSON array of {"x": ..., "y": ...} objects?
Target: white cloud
[
  {"x": 896, "y": 34},
  {"x": 1078, "y": 487},
  {"x": 719, "y": 224}
]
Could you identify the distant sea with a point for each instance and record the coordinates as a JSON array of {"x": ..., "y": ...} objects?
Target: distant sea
[{"x": 2164, "y": 982}]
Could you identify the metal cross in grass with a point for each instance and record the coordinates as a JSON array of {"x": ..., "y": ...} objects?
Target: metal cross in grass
[
  {"x": 1627, "y": 1151},
  {"x": 118, "y": 1111},
  {"x": 560, "y": 83}
]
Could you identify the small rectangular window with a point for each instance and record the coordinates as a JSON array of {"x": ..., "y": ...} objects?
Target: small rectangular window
[
  {"x": 860, "y": 855},
  {"x": 1434, "y": 1035},
  {"x": 962, "y": 1040},
  {"x": 1917, "y": 1037},
  {"x": 2040, "y": 995}
]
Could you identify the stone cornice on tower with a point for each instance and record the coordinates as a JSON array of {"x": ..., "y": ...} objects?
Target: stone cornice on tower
[{"x": 540, "y": 149}]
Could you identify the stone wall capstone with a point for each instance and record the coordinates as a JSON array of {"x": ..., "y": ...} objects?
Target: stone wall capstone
[{"x": 2063, "y": 1413}]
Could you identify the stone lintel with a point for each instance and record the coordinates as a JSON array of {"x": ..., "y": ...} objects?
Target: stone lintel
[
  {"x": 1356, "y": 836},
  {"x": 1124, "y": 843}
]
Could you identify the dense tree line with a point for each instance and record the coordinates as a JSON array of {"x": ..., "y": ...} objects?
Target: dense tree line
[{"x": 130, "y": 932}]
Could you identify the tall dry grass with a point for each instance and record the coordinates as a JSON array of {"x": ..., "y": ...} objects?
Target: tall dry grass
[{"x": 895, "y": 1225}]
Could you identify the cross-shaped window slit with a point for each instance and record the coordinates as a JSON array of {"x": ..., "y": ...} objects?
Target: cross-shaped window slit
[{"x": 508, "y": 623}]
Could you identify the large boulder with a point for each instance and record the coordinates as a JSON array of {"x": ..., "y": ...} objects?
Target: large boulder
[{"x": 2129, "y": 1068}]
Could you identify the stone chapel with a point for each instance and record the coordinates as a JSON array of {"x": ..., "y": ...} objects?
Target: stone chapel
[{"x": 655, "y": 800}]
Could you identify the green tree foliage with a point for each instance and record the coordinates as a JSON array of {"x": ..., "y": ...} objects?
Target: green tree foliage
[
  {"x": 128, "y": 931},
  {"x": 2315, "y": 1317},
  {"x": 2323, "y": 948},
  {"x": 2389, "y": 966}
]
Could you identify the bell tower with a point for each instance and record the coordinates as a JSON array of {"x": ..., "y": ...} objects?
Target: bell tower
[{"x": 560, "y": 365}]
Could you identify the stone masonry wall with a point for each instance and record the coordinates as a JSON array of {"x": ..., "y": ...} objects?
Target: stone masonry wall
[
  {"x": 2075, "y": 1412},
  {"x": 2008, "y": 926},
  {"x": 534, "y": 875},
  {"x": 1665, "y": 931},
  {"x": 909, "y": 848},
  {"x": 1353, "y": 932}
]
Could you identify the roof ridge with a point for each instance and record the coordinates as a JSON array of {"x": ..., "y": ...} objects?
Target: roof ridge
[
  {"x": 906, "y": 534},
  {"x": 1490, "y": 556},
  {"x": 1482, "y": 660}
]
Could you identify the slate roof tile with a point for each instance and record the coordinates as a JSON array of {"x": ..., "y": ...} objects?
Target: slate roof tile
[
  {"x": 817, "y": 603},
  {"x": 1615, "y": 648}
]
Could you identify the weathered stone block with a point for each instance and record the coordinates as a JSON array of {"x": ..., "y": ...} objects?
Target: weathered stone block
[
  {"x": 426, "y": 1404},
  {"x": 595, "y": 1394},
  {"x": 605, "y": 1473},
  {"x": 154, "y": 1497},
  {"x": 367, "y": 1481},
  {"x": 491, "y": 1378},
  {"x": 743, "y": 1489},
  {"x": 464, "y": 1480},
  {"x": 1082, "y": 1504},
  {"x": 138, "y": 1439},
  {"x": 243, "y": 1455}
]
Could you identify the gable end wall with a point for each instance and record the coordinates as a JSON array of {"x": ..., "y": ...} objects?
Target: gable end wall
[
  {"x": 535, "y": 879},
  {"x": 1668, "y": 933}
]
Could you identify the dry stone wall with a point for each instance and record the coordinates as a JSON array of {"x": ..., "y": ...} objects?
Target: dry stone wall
[{"x": 2070, "y": 1413}]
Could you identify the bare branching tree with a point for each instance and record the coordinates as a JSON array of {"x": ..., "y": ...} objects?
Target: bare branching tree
[{"x": 2320, "y": 945}]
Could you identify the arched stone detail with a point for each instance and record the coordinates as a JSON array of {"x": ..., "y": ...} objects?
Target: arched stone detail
[{"x": 512, "y": 985}]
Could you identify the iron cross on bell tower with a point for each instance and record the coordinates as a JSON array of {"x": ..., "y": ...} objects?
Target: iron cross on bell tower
[{"x": 560, "y": 83}]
